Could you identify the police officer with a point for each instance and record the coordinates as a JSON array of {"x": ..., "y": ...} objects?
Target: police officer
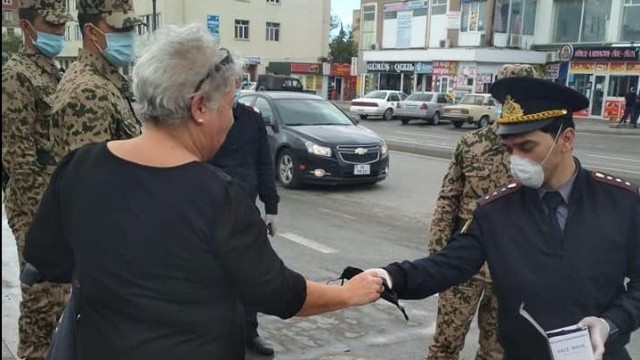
[
  {"x": 92, "y": 101},
  {"x": 29, "y": 79},
  {"x": 245, "y": 156},
  {"x": 480, "y": 164},
  {"x": 554, "y": 240}
]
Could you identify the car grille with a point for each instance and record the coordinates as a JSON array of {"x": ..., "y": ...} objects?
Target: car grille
[{"x": 359, "y": 154}]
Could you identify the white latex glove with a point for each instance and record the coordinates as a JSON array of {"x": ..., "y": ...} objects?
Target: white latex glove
[
  {"x": 383, "y": 274},
  {"x": 599, "y": 332},
  {"x": 271, "y": 222}
]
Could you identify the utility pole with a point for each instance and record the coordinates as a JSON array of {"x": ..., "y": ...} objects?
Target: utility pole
[{"x": 154, "y": 25}]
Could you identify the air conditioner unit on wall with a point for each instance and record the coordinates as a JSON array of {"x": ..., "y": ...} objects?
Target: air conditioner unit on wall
[
  {"x": 375, "y": 46},
  {"x": 445, "y": 43}
]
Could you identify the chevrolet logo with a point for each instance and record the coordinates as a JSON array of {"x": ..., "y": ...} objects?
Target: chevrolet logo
[{"x": 361, "y": 151}]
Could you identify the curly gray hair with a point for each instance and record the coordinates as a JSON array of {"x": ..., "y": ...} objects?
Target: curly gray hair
[{"x": 176, "y": 64}]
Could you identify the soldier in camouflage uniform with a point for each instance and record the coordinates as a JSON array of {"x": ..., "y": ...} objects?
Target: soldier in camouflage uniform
[
  {"x": 480, "y": 164},
  {"x": 92, "y": 102},
  {"x": 29, "y": 79}
]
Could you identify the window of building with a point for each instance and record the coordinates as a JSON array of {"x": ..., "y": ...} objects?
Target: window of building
[
  {"x": 147, "y": 27},
  {"x": 517, "y": 17},
  {"x": 273, "y": 31},
  {"x": 7, "y": 15},
  {"x": 242, "y": 29},
  {"x": 473, "y": 14},
  {"x": 368, "y": 28},
  {"x": 11, "y": 31},
  {"x": 273, "y": 1},
  {"x": 7, "y": 2},
  {"x": 438, "y": 7},
  {"x": 592, "y": 26},
  {"x": 630, "y": 23}
]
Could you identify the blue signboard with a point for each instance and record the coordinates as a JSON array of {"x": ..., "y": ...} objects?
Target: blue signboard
[
  {"x": 213, "y": 24},
  {"x": 424, "y": 68}
]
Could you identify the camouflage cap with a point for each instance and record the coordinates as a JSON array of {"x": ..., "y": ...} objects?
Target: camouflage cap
[
  {"x": 53, "y": 11},
  {"x": 117, "y": 13},
  {"x": 518, "y": 70}
]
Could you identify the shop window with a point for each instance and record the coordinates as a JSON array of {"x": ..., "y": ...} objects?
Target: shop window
[
  {"x": 438, "y": 7},
  {"x": 619, "y": 85},
  {"x": 473, "y": 15},
  {"x": 592, "y": 26},
  {"x": 630, "y": 23}
]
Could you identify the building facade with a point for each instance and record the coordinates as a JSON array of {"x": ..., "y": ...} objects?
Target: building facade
[
  {"x": 437, "y": 45},
  {"x": 10, "y": 17}
]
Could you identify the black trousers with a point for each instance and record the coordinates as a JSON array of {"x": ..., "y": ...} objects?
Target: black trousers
[
  {"x": 250, "y": 322},
  {"x": 628, "y": 112}
]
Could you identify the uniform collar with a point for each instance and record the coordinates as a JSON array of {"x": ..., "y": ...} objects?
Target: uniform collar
[
  {"x": 565, "y": 189},
  {"x": 104, "y": 68},
  {"x": 48, "y": 65}
]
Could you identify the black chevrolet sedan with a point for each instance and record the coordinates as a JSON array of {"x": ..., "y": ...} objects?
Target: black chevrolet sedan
[{"x": 314, "y": 141}]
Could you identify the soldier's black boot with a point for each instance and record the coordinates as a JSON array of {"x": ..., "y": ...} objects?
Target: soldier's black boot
[{"x": 259, "y": 346}]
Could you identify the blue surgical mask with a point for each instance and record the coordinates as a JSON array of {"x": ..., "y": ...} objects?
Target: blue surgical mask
[
  {"x": 120, "y": 48},
  {"x": 50, "y": 45}
]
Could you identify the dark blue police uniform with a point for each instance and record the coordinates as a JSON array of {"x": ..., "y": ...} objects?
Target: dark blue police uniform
[{"x": 561, "y": 277}]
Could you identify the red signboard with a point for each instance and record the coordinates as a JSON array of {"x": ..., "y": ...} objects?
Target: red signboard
[
  {"x": 340, "y": 70},
  {"x": 613, "y": 108},
  {"x": 305, "y": 68},
  {"x": 445, "y": 68}
]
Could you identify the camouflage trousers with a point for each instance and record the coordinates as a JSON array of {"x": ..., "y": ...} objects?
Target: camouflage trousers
[
  {"x": 456, "y": 309},
  {"x": 40, "y": 308}
]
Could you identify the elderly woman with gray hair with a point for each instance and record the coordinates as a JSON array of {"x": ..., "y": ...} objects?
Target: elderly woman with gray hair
[{"x": 167, "y": 247}]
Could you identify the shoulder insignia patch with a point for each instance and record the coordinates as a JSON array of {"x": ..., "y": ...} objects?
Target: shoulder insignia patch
[
  {"x": 255, "y": 109},
  {"x": 466, "y": 226},
  {"x": 497, "y": 194},
  {"x": 614, "y": 181}
]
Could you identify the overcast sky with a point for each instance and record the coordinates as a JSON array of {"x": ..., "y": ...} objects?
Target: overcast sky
[{"x": 344, "y": 9}]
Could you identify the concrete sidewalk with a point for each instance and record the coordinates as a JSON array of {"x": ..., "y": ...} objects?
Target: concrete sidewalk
[
  {"x": 583, "y": 124},
  {"x": 6, "y": 353}
]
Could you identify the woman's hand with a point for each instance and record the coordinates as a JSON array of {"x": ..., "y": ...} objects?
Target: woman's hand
[{"x": 363, "y": 289}]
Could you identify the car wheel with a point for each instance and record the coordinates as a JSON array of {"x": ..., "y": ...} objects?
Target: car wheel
[
  {"x": 388, "y": 114},
  {"x": 287, "y": 169},
  {"x": 405, "y": 121},
  {"x": 435, "y": 120},
  {"x": 457, "y": 124},
  {"x": 363, "y": 117},
  {"x": 483, "y": 122}
]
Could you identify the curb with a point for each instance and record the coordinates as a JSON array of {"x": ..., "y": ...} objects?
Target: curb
[
  {"x": 419, "y": 150},
  {"x": 6, "y": 353}
]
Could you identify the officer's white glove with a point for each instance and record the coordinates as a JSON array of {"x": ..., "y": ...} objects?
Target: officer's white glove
[
  {"x": 599, "y": 332},
  {"x": 383, "y": 274},
  {"x": 271, "y": 221}
]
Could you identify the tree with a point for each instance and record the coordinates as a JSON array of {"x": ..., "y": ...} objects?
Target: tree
[
  {"x": 342, "y": 47},
  {"x": 11, "y": 43}
]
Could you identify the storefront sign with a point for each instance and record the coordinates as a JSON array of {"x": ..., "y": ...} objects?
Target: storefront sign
[
  {"x": 213, "y": 25},
  {"x": 607, "y": 53},
  {"x": 551, "y": 71},
  {"x": 445, "y": 67},
  {"x": 453, "y": 20},
  {"x": 390, "y": 67},
  {"x": 403, "y": 34},
  {"x": 424, "y": 68},
  {"x": 565, "y": 53},
  {"x": 613, "y": 108},
  {"x": 340, "y": 70},
  {"x": 469, "y": 70},
  {"x": 252, "y": 60},
  {"x": 304, "y": 68},
  {"x": 409, "y": 5}
]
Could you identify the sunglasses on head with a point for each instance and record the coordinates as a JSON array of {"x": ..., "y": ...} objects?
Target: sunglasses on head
[{"x": 226, "y": 60}]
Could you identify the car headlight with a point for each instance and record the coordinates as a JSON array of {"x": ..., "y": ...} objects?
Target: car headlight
[
  {"x": 384, "y": 148},
  {"x": 316, "y": 149}
]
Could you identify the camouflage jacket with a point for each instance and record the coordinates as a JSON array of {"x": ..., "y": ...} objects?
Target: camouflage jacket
[
  {"x": 29, "y": 81},
  {"x": 480, "y": 164},
  {"x": 92, "y": 105}
]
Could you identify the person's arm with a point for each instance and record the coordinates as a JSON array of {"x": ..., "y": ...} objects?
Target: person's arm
[
  {"x": 19, "y": 156},
  {"x": 267, "y": 190},
  {"x": 45, "y": 246},
  {"x": 624, "y": 311},
  {"x": 83, "y": 117},
  {"x": 261, "y": 278},
  {"x": 458, "y": 261},
  {"x": 447, "y": 206}
]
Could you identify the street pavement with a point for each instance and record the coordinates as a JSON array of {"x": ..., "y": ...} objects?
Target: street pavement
[{"x": 322, "y": 230}]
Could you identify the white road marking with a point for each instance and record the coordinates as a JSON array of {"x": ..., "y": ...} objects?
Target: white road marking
[
  {"x": 598, "y": 167},
  {"x": 309, "y": 243},
  {"x": 613, "y": 158},
  {"x": 420, "y": 156},
  {"x": 416, "y": 141},
  {"x": 420, "y": 134},
  {"x": 338, "y": 213}
]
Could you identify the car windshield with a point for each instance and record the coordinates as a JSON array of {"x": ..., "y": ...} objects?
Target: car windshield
[
  {"x": 376, "y": 95},
  {"x": 420, "y": 97},
  {"x": 472, "y": 100},
  {"x": 305, "y": 112}
]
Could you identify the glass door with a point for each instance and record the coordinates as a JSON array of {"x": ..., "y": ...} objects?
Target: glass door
[{"x": 597, "y": 100}]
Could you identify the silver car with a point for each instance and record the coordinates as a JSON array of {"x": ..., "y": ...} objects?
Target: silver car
[{"x": 425, "y": 106}]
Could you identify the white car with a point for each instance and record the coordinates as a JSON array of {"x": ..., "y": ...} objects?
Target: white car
[
  {"x": 248, "y": 87},
  {"x": 377, "y": 103}
]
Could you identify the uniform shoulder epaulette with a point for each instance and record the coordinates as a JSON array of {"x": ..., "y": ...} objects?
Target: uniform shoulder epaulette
[
  {"x": 614, "y": 181},
  {"x": 497, "y": 194}
]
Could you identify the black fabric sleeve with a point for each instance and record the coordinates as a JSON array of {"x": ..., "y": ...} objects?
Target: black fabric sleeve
[
  {"x": 458, "y": 261},
  {"x": 625, "y": 308},
  {"x": 265, "y": 170},
  {"x": 261, "y": 278},
  {"x": 45, "y": 246}
]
